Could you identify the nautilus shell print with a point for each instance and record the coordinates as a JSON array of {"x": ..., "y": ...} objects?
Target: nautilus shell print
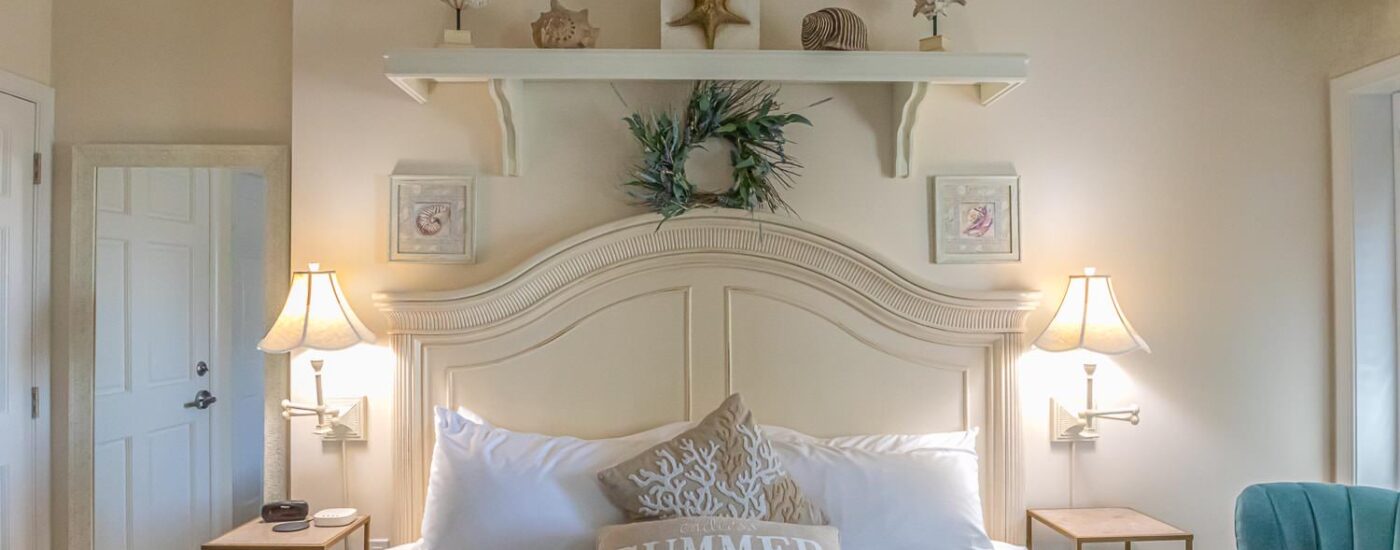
[
  {"x": 978, "y": 221},
  {"x": 834, "y": 29},
  {"x": 432, "y": 218}
]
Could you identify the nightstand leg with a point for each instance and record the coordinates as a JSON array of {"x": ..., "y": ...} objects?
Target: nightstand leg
[
  {"x": 367, "y": 520},
  {"x": 1029, "y": 527},
  {"x": 1127, "y": 545}
]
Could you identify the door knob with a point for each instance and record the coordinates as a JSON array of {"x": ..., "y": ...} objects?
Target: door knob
[
  {"x": 202, "y": 400},
  {"x": 201, "y": 368}
]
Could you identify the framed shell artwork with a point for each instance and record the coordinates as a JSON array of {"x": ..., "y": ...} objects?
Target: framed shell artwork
[
  {"x": 976, "y": 219},
  {"x": 432, "y": 219}
]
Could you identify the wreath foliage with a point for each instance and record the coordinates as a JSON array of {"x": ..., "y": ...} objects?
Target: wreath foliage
[{"x": 746, "y": 116}]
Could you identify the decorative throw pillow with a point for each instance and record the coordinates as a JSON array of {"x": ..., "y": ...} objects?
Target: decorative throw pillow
[
  {"x": 717, "y": 533},
  {"x": 722, "y": 467}
]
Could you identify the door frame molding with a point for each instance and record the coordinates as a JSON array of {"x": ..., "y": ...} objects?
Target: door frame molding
[
  {"x": 275, "y": 163},
  {"x": 1352, "y": 95},
  {"x": 42, "y": 97}
]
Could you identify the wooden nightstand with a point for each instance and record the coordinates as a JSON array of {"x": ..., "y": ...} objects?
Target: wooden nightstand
[
  {"x": 256, "y": 535},
  {"x": 1089, "y": 525}
]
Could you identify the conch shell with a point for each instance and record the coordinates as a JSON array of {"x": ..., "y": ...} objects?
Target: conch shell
[
  {"x": 564, "y": 28},
  {"x": 834, "y": 29}
]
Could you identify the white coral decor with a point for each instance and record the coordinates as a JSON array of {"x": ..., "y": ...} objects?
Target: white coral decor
[
  {"x": 464, "y": 4},
  {"x": 459, "y": 5},
  {"x": 693, "y": 484},
  {"x": 935, "y": 8}
]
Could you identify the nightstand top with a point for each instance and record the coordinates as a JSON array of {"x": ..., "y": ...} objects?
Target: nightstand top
[
  {"x": 256, "y": 535},
  {"x": 1107, "y": 524}
]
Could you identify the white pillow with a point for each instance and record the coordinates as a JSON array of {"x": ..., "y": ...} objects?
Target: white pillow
[
  {"x": 492, "y": 489},
  {"x": 881, "y": 443},
  {"x": 917, "y": 500},
  {"x": 471, "y": 416}
]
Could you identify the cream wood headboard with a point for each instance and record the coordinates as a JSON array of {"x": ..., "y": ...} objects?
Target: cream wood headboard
[{"x": 630, "y": 325}]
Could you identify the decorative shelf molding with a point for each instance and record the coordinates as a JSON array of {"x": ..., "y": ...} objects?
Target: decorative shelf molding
[{"x": 506, "y": 71}]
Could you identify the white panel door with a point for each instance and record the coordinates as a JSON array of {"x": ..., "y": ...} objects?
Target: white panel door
[
  {"x": 18, "y": 489},
  {"x": 151, "y": 451}
]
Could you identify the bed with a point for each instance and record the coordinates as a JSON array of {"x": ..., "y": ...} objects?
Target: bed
[{"x": 637, "y": 324}]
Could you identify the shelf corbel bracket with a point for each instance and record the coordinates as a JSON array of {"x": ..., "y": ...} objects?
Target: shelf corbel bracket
[
  {"x": 908, "y": 100},
  {"x": 989, "y": 92},
  {"x": 420, "y": 89},
  {"x": 508, "y": 94}
]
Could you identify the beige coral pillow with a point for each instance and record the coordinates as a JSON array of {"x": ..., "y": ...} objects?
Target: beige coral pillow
[
  {"x": 717, "y": 533},
  {"x": 723, "y": 467}
]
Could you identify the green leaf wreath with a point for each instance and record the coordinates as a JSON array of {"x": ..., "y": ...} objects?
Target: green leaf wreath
[{"x": 743, "y": 114}]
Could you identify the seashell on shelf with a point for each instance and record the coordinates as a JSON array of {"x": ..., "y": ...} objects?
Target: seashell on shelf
[
  {"x": 432, "y": 218},
  {"x": 564, "y": 28},
  {"x": 834, "y": 29}
]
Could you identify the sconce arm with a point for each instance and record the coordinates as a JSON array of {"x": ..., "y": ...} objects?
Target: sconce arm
[
  {"x": 1067, "y": 425},
  {"x": 309, "y": 409},
  {"x": 342, "y": 419},
  {"x": 1130, "y": 414}
]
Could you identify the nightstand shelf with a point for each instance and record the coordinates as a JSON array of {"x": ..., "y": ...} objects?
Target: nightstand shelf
[
  {"x": 1094, "y": 525},
  {"x": 257, "y": 535}
]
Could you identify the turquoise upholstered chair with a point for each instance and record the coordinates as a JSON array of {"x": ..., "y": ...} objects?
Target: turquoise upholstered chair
[{"x": 1316, "y": 516}]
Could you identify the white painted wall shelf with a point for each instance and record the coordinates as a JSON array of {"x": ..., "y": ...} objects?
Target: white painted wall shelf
[{"x": 506, "y": 71}]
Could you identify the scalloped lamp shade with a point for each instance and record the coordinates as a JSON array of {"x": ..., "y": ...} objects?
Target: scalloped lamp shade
[
  {"x": 1091, "y": 319},
  {"x": 316, "y": 316}
]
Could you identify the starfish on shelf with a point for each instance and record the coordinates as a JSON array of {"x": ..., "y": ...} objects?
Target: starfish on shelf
[{"x": 710, "y": 14}]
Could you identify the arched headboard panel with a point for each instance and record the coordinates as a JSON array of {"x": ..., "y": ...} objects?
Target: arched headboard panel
[{"x": 635, "y": 324}]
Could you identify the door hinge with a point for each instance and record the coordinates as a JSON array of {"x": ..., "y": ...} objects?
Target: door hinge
[
  {"x": 38, "y": 168},
  {"x": 34, "y": 402}
]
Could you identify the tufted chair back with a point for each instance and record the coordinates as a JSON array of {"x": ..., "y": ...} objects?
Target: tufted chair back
[{"x": 1316, "y": 516}]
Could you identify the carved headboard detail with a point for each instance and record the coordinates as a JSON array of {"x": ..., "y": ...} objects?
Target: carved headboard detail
[{"x": 635, "y": 324}]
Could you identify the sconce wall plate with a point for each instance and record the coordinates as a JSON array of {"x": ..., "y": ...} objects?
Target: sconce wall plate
[
  {"x": 1067, "y": 426},
  {"x": 350, "y": 419}
]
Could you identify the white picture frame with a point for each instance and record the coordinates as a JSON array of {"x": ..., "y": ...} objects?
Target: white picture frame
[
  {"x": 432, "y": 219},
  {"x": 976, "y": 219}
]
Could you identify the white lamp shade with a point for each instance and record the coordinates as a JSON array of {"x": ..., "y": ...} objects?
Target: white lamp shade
[
  {"x": 1090, "y": 319},
  {"x": 316, "y": 316}
]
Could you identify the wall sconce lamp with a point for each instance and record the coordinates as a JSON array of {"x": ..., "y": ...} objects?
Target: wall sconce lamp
[
  {"x": 317, "y": 317},
  {"x": 1089, "y": 319}
]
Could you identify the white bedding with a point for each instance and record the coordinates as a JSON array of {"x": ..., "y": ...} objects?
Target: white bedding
[
  {"x": 499, "y": 489},
  {"x": 995, "y": 544}
]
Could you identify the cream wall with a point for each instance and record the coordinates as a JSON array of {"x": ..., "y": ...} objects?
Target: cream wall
[
  {"x": 1140, "y": 117},
  {"x": 1180, "y": 146},
  {"x": 172, "y": 71},
  {"x": 25, "y": 41},
  {"x": 1355, "y": 33},
  {"x": 156, "y": 71}
]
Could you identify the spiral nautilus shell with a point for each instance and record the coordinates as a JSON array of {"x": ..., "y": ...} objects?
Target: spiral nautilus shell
[
  {"x": 432, "y": 218},
  {"x": 834, "y": 29}
]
